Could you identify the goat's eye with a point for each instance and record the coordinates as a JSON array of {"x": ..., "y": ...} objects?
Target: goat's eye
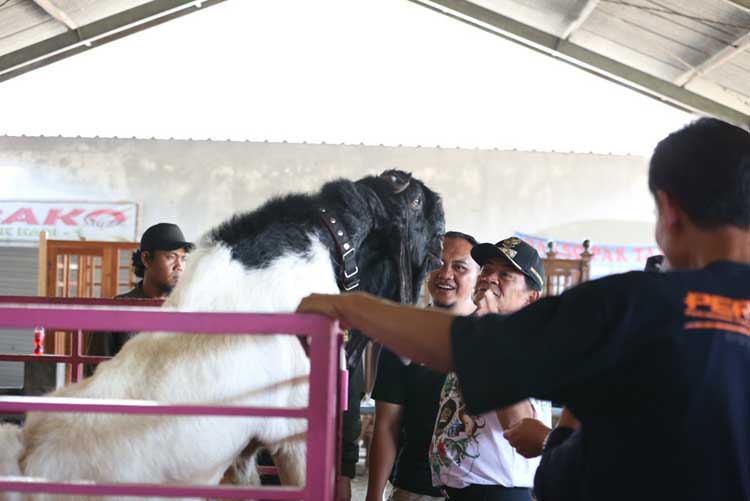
[{"x": 416, "y": 203}]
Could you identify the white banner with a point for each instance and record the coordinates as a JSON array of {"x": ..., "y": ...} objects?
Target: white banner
[
  {"x": 21, "y": 222},
  {"x": 607, "y": 259}
]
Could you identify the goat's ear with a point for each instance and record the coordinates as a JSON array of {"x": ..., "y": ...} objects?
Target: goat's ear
[{"x": 399, "y": 180}]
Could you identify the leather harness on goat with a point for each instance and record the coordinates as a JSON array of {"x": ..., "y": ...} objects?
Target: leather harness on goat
[
  {"x": 347, "y": 277},
  {"x": 348, "y": 272}
]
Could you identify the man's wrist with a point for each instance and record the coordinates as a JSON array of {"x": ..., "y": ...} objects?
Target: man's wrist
[{"x": 343, "y": 307}]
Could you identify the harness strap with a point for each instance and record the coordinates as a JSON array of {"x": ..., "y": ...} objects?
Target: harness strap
[{"x": 348, "y": 275}]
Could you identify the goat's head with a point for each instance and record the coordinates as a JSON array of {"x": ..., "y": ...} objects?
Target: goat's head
[{"x": 413, "y": 226}]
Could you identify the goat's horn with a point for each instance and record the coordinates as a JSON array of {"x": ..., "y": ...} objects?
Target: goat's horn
[{"x": 399, "y": 180}]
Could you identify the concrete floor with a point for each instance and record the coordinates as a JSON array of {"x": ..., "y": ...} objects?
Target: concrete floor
[{"x": 359, "y": 484}]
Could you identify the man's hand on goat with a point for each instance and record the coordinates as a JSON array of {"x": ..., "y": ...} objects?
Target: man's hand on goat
[{"x": 330, "y": 305}]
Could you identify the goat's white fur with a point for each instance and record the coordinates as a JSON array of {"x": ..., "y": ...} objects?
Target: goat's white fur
[{"x": 187, "y": 368}]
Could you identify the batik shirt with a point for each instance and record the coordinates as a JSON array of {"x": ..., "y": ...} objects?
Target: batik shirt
[{"x": 470, "y": 449}]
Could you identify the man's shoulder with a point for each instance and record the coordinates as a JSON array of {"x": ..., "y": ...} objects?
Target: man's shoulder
[
  {"x": 650, "y": 288},
  {"x": 134, "y": 293},
  {"x": 131, "y": 294},
  {"x": 633, "y": 285}
]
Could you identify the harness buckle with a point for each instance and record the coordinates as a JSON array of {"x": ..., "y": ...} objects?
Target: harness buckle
[
  {"x": 350, "y": 275},
  {"x": 351, "y": 287}
]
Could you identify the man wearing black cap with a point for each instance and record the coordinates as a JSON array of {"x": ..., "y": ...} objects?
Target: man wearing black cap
[
  {"x": 469, "y": 455},
  {"x": 511, "y": 277},
  {"x": 159, "y": 262}
]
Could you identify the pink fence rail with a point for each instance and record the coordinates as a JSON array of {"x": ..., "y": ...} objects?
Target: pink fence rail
[
  {"x": 326, "y": 395},
  {"x": 76, "y": 359}
]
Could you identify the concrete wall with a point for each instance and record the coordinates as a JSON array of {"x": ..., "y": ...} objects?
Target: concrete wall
[{"x": 197, "y": 184}]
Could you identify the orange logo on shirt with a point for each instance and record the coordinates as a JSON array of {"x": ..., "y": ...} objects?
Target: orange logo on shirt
[{"x": 717, "y": 312}]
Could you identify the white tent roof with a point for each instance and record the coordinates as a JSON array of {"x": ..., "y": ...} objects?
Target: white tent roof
[{"x": 689, "y": 53}]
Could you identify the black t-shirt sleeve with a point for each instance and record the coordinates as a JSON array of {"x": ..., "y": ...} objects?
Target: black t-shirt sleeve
[
  {"x": 558, "y": 348},
  {"x": 389, "y": 379}
]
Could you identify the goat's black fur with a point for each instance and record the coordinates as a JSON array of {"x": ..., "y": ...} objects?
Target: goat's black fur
[{"x": 374, "y": 217}]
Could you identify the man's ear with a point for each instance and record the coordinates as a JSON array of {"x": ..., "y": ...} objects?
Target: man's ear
[
  {"x": 533, "y": 296},
  {"x": 672, "y": 216},
  {"x": 146, "y": 258}
]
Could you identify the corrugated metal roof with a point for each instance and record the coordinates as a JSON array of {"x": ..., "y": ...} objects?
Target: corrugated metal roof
[
  {"x": 34, "y": 33},
  {"x": 690, "y": 53}
]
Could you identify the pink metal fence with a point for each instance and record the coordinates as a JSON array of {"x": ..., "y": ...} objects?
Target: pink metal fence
[
  {"x": 76, "y": 359},
  {"x": 327, "y": 384}
]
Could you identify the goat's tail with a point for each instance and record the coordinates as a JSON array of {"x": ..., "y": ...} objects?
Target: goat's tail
[{"x": 11, "y": 445}]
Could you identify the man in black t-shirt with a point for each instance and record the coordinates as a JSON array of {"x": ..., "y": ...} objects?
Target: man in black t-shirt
[
  {"x": 407, "y": 394},
  {"x": 655, "y": 366}
]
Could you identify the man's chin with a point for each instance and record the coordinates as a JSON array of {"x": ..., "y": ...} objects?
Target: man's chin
[{"x": 443, "y": 305}]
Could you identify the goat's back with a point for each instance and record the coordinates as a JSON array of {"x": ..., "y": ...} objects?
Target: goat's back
[{"x": 268, "y": 370}]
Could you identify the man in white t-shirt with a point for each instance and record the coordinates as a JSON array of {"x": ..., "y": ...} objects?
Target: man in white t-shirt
[{"x": 469, "y": 455}]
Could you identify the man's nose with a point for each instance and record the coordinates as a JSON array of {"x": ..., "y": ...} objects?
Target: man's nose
[
  {"x": 490, "y": 278},
  {"x": 445, "y": 271}
]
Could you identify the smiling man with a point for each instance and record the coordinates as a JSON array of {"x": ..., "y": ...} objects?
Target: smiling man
[
  {"x": 469, "y": 455},
  {"x": 407, "y": 395},
  {"x": 512, "y": 276},
  {"x": 451, "y": 285}
]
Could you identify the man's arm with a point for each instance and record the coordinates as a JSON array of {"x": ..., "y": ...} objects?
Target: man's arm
[
  {"x": 402, "y": 329},
  {"x": 551, "y": 349},
  {"x": 384, "y": 447}
]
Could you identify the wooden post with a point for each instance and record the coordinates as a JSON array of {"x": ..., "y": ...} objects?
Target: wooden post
[
  {"x": 551, "y": 254},
  {"x": 41, "y": 288},
  {"x": 586, "y": 261}
]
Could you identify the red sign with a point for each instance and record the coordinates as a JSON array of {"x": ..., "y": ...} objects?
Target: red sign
[{"x": 23, "y": 221}]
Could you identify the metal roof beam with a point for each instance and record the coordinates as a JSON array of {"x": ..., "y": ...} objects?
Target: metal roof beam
[
  {"x": 57, "y": 13},
  {"x": 740, "y": 4},
  {"x": 95, "y": 34},
  {"x": 588, "y": 7},
  {"x": 583, "y": 58},
  {"x": 716, "y": 60}
]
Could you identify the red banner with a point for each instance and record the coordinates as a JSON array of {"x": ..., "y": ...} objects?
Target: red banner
[{"x": 22, "y": 221}]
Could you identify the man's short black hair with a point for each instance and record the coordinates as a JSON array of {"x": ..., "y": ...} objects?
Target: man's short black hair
[
  {"x": 138, "y": 269},
  {"x": 464, "y": 236},
  {"x": 705, "y": 167}
]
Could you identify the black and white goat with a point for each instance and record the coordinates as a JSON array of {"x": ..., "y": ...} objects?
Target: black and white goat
[{"x": 262, "y": 261}]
